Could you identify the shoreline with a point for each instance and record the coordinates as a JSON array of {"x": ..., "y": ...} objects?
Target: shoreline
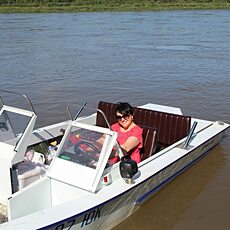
[{"x": 58, "y": 8}]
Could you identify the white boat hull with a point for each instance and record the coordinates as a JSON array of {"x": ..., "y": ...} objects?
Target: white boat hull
[
  {"x": 72, "y": 194},
  {"x": 108, "y": 214}
]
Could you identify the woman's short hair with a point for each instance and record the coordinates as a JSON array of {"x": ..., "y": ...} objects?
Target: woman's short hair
[{"x": 124, "y": 108}]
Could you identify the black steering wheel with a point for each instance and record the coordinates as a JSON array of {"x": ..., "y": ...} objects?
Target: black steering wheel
[
  {"x": 86, "y": 153},
  {"x": 82, "y": 151}
]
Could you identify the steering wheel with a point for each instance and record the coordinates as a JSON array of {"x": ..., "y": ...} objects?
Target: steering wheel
[
  {"x": 83, "y": 150},
  {"x": 83, "y": 155}
]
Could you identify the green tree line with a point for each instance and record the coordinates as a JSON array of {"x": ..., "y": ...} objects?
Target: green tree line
[
  {"x": 68, "y": 2},
  {"x": 21, "y": 6}
]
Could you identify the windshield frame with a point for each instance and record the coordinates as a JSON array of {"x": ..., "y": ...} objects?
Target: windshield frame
[{"x": 88, "y": 178}]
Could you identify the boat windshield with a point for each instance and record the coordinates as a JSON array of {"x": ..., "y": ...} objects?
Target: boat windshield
[
  {"x": 84, "y": 151},
  {"x": 82, "y": 146},
  {"x": 11, "y": 125},
  {"x": 16, "y": 126}
]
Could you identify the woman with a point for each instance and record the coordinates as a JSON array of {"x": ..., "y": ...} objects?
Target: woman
[{"x": 129, "y": 134}]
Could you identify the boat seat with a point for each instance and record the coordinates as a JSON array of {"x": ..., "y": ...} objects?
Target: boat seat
[
  {"x": 149, "y": 142},
  {"x": 170, "y": 127}
]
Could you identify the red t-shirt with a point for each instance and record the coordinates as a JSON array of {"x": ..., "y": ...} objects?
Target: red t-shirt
[{"x": 136, "y": 131}]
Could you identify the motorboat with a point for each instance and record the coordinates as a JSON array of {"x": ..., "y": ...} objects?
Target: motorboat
[{"x": 60, "y": 176}]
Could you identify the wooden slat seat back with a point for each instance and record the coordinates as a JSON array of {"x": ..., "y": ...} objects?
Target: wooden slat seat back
[
  {"x": 170, "y": 127},
  {"x": 109, "y": 110},
  {"x": 149, "y": 142}
]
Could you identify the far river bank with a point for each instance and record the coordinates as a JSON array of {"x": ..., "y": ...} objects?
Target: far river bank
[{"x": 92, "y": 6}]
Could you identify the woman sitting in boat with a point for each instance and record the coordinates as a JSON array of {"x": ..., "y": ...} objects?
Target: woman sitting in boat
[{"x": 129, "y": 134}]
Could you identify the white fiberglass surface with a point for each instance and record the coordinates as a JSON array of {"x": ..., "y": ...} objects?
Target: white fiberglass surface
[
  {"x": 83, "y": 155},
  {"x": 162, "y": 108}
]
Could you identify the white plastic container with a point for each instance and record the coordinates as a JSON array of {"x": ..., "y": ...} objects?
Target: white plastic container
[{"x": 28, "y": 172}]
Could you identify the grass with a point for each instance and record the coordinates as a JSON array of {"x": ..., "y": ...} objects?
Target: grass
[{"x": 112, "y": 5}]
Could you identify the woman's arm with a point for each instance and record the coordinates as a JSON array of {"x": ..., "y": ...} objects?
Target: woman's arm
[{"x": 130, "y": 144}]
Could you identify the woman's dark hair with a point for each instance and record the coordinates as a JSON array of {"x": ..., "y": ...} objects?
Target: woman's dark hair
[{"x": 124, "y": 108}]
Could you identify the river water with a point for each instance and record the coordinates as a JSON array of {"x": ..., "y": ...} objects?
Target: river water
[{"x": 177, "y": 58}]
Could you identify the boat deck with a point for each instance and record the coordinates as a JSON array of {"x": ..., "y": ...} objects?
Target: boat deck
[{"x": 3, "y": 213}]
